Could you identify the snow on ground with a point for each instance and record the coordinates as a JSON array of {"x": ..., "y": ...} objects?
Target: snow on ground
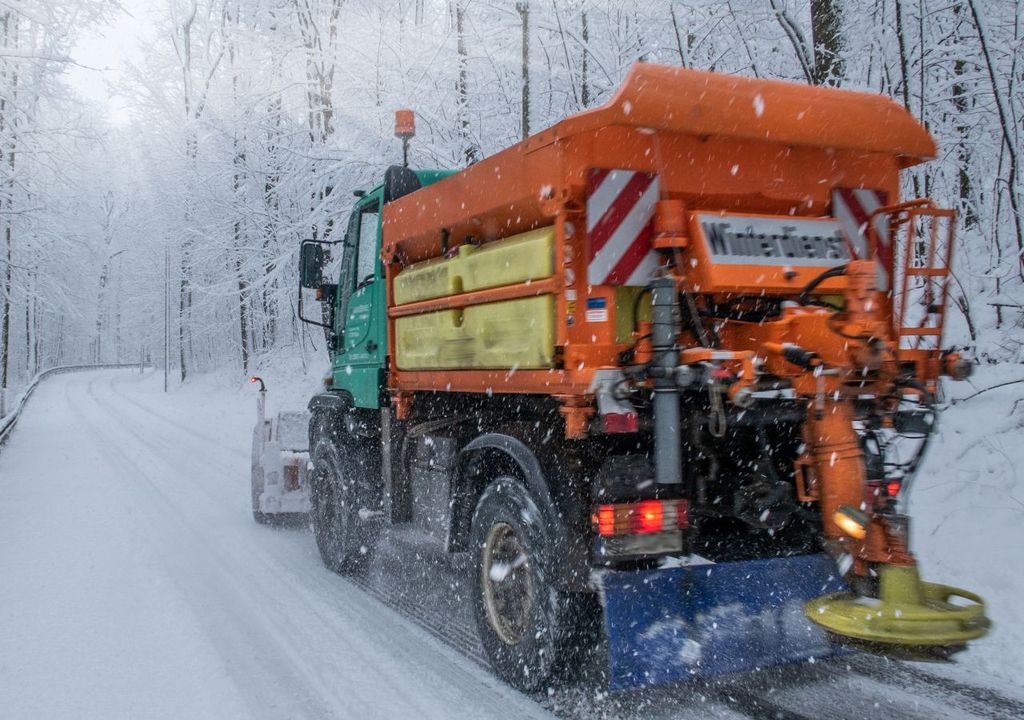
[
  {"x": 133, "y": 582},
  {"x": 967, "y": 515}
]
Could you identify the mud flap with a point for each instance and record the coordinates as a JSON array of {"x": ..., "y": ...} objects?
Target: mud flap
[{"x": 670, "y": 624}]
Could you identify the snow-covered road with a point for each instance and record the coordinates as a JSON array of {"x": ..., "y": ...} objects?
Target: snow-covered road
[{"x": 133, "y": 582}]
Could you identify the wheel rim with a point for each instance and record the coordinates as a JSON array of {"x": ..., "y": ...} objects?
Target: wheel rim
[{"x": 507, "y": 583}]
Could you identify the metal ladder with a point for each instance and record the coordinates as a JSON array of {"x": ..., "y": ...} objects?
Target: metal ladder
[{"x": 920, "y": 272}]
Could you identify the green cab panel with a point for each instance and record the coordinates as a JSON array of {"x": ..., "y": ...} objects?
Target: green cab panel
[{"x": 359, "y": 357}]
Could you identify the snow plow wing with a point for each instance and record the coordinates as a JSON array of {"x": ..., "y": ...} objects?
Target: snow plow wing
[
  {"x": 670, "y": 624},
  {"x": 280, "y": 455}
]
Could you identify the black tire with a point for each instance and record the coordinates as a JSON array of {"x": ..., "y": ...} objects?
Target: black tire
[
  {"x": 344, "y": 485},
  {"x": 526, "y": 626}
]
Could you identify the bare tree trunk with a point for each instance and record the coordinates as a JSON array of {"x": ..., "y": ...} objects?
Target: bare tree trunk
[
  {"x": 901, "y": 41},
  {"x": 902, "y": 45},
  {"x": 584, "y": 63},
  {"x": 191, "y": 154},
  {"x": 185, "y": 288},
  {"x": 320, "y": 42},
  {"x": 796, "y": 38},
  {"x": 826, "y": 34},
  {"x": 243, "y": 312},
  {"x": 684, "y": 59},
  {"x": 9, "y": 40},
  {"x": 36, "y": 325},
  {"x": 238, "y": 161},
  {"x": 962, "y": 105},
  {"x": 1008, "y": 139},
  {"x": 523, "y": 7},
  {"x": 28, "y": 328},
  {"x": 194, "y": 105},
  {"x": 565, "y": 51},
  {"x": 59, "y": 352},
  {"x": 5, "y": 329},
  {"x": 462, "y": 91}
]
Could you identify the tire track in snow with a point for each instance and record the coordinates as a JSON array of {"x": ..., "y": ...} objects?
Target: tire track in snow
[
  {"x": 296, "y": 637},
  {"x": 232, "y": 635},
  {"x": 168, "y": 420},
  {"x": 169, "y": 452},
  {"x": 437, "y": 622},
  {"x": 764, "y": 695},
  {"x": 983, "y": 702}
]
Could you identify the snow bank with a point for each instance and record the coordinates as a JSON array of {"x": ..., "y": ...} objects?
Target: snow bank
[
  {"x": 967, "y": 509},
  {"x": 967, "y": 503}
]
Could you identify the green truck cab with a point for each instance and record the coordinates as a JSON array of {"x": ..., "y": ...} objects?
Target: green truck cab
[{"x": 355, "y": 324}]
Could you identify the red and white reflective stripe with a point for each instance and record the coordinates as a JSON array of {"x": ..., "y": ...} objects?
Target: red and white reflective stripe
[
  {"x": 620, "y": 225},
  {"x": 852, "y": 207}
]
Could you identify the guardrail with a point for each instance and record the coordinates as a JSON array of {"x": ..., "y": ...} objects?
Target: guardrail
[{"x": 8, "y": 421}]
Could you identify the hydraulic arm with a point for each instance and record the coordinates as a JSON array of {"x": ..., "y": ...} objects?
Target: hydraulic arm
[{"x": 849, "y": 362}]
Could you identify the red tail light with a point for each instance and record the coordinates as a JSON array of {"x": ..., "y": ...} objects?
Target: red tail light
[
  {"x": 648, "y": 516},
  {"x": 893, "y": 487}
]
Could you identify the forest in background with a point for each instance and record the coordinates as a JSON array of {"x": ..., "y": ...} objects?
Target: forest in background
[{"x": 252, "y": 121}]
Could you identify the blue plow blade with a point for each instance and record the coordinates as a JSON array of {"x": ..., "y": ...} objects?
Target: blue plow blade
[{"x": 670, "y": 624}]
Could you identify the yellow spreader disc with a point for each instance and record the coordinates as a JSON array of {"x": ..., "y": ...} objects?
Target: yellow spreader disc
[{"x": 908, "y": 613}]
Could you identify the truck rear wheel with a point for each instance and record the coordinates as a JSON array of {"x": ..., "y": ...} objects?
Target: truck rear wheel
[
  {"x": 518, "y": 610},
  {"x": 344, "y": 512}
]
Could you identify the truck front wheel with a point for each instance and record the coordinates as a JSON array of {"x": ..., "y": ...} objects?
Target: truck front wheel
[
  {"x": 344, "y": 516},
  {"x": 516, "y": 605}
]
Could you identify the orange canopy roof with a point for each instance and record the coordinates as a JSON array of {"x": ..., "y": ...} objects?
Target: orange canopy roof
[
  {"x": 854, "y": 138},
  {"x": 715, "y": 105}
]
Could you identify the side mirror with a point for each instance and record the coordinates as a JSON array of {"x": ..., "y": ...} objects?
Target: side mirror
[{"x": 311, "y": 265}]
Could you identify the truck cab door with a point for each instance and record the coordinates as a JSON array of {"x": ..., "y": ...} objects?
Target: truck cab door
[{"x": 359, "y": 359}]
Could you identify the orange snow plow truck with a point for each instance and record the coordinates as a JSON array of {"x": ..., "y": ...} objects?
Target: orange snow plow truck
[{"x": 666, "y": 368}]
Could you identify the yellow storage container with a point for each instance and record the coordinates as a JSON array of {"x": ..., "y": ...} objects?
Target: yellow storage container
[
  {"x": 527, "y": 256},
  {"x": 433, "y": 340},
  {"x": 512, "y": 333},
  {"x": 429, "y": 279},
  {"x": 516, "y": 259}
]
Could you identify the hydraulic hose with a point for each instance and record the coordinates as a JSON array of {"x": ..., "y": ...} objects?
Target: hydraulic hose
[{"x": 805, "y": 295}]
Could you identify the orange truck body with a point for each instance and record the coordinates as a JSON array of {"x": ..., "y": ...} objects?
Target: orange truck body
[
  {"x": 717, "y": 144},
  {"x": 692, "y": 322}
]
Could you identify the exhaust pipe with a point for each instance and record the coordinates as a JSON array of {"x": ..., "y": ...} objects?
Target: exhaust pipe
[{"x": 664, "y": 332}]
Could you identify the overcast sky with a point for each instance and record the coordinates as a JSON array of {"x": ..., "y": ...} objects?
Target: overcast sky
[{"x": 104, "y": 52}]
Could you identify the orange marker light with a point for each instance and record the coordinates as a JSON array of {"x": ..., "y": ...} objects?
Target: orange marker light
[
  {"x": 851, "y": 521},
  {"x": 405, "y": 124},
  {"x": 606, "y": 520}
]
